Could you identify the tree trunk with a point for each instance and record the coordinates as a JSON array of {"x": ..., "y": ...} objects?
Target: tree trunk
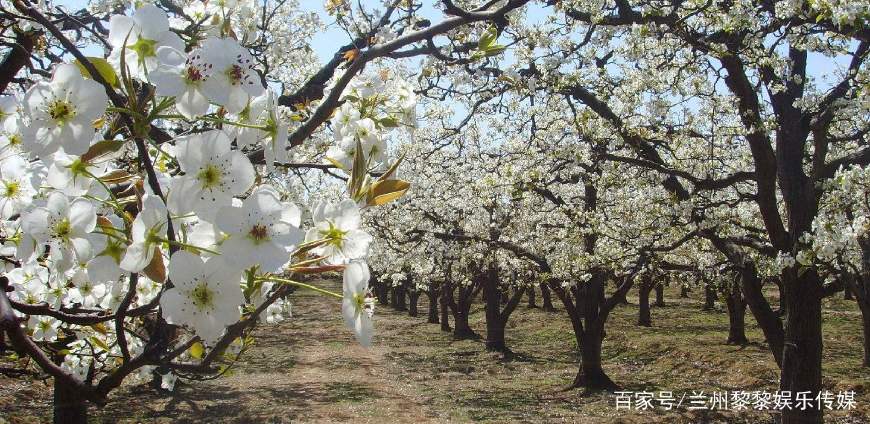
[
  {"x": 591, "y": 303},
  {"x": 684, "y": 291},
  {"x": 736, "y": 317},
  {"x": 862, "y": 298},
  {"x": 802, "y": 347},
  {"x": 394, "y": 297},
  {"x": 865, "y": 314},
  {"x": 382, "y": 291},
  {"x": 432, "y": 294},
  {"x": 445, "y": 291},
  {"x": 847, "y": 293},
  {"x": 780, "y": 302},
  {"x": 530, "y": 291},
  {"x": 860, "y": 287},
  {"x": 494, "y": 324},
  {"x": 547, "y": 298},
  {"x": 69, "y": 407},
  {"x": 591, "y": 375},
  {"x": 643, "y": 318},
  {"x": 401, "y": 303},
  {"x": 660, "y": 295},
  {"x": 461, "y": 328},
  {"x": 767, "y": 319},
  {"x": 709, "y": 297},
  {"x": 413, "y": 298}
]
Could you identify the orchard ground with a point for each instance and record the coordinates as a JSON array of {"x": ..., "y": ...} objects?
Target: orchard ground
[{"x": 308, "y": 369}]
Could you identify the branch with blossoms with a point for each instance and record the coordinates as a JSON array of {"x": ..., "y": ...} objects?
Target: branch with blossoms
[{"x": 147, "y": 221}]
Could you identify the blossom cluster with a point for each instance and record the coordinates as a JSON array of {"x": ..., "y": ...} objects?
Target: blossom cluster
[{"x": 102, "y": 217}]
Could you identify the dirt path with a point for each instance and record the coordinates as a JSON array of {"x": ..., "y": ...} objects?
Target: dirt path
[{"x": 306, "y": 369}]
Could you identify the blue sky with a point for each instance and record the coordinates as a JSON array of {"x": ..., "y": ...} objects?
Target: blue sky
[{"x": 327, "y": 43}]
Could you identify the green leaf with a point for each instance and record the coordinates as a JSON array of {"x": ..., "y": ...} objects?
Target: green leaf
[
  {"x": 389, "y": 122},
  {"x": 383, "y": 192},
  {"x": 99, "y": 343},
  {"x": 494, "y": 50},
  {"x": 392, "y": 169},
  {"x": 336, "y": 164},
  {"x": 359, "y": 170},
  {"x": 196, "y": 350},
  {"x": 101, "y": 148},
  {"x": 103, "y": 67},
  {"x": 487, "y": 38}
]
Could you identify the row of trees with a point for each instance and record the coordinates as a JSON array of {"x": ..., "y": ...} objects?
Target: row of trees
[{"x": 623, "y": 141}]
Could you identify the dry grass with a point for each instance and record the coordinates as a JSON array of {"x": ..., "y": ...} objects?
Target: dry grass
[{"x": 309, "y": 370}]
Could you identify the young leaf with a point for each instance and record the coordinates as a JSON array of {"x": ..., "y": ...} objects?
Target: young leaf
[
  {"x": 116, "y": 177},
  {"x": 494, "y": 50},
  {"x": 196, "y": 350},
  {"x": 392, "y": 169},
  {"x": 101, "y": 148},
  {"x": 383, "y": 192},
  {"x": 487, "y": 38},
  {"x": 156, "y": 270},
  {"x": 336, "y": 164},
  {"x": 102, "y": 66},
  {"x": 359, "y": 170},
  {"x": 99, "y": 343},
  {"x": 389, "y": 122}
]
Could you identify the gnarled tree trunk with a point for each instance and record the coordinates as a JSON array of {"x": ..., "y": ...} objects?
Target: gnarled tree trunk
[
  {"x": 860, "y": 287},
  {"x": 591, "y": 374}
]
